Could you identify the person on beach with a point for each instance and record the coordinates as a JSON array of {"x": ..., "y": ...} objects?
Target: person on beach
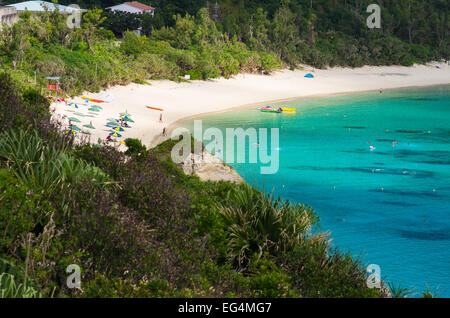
[
  {"x": 108, "y": 138},
  {"x": 381, "y": 91},
  {"x": 160, "y": 117},
  {"x": 164, "y": 132}
]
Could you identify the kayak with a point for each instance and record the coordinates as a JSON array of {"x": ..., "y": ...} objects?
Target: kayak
[
  {"x": 93, "y": 100},
  {"x": 155, "y": 108},
  {"x": 269, "y": 109},
  {"x": 288, "y": 110}
]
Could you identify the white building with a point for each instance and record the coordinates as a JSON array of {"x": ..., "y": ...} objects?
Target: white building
[
  {"x": 133, "y": 7},
  {"x": 41, "y": 6},
  {"x": 8, "y": 16}
]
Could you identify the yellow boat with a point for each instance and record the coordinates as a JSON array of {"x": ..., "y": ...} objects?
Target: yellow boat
[{"x": 288, "y": 110}]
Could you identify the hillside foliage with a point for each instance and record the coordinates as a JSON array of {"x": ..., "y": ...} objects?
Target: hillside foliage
[
  {"x": 208, "y": 41},
  {"x": 134, "y": 222},
  {"x": 139, "y": 227}
]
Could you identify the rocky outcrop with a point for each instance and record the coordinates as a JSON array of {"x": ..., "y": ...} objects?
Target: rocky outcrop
[{"x": 209, "y": 167}]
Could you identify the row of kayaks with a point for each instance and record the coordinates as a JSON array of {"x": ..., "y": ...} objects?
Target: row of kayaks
[{"x": 270, "y": 109}]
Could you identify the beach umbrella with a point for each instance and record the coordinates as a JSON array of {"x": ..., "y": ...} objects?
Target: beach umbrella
[
  {"x": 92, "y": 109},
  {"x": 118, "y": 128},
  {"x": 96, "y": 106},
  {"x": 126, "y": 118},
  {"x": 74, "y": 119},
  {"x": 73, "y": 105},
  {"x": 125, "y": 114},
  {"x": 76, "y": 128},
  {"x": 112, "y": 120},
  {"x": 89, "y": 126},
  {"x": 79, "y": 114},
  {"x": 71, "y": 131},
  {"x": 114, "y": 134},
  {"x": 112, "y": 123},
  {"x": 309, "y": 75}
]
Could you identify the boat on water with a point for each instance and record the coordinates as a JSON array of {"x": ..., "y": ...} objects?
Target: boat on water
[{"x": 270, "y": 109}]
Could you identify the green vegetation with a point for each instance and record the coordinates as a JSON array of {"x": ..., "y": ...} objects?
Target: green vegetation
[
  {"x": 184, "y": 37},
  {"x": 134, "y": 222},
  {"x": 139, "y": 227},
  {"x": 89, "y": 57},
  {"x": 10, "y": 289},
  {"x": 260, "y": 224},
  {"x": 38, "y": 165},
  {"x": 397, "y": 291}
]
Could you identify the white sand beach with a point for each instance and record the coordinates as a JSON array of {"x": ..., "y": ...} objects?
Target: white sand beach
[{"x": 183, "y": 100}]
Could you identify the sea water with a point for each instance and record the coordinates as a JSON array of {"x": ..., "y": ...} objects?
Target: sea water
[{"x": 376, "y": 169}]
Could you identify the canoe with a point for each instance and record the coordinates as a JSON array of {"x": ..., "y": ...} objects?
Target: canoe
[
  {"x": 269, "y": 109},
  {"x": 92, "y": 100},
  {"x": 155, "y": 108}
]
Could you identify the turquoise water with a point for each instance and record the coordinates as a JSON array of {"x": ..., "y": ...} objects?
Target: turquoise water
[{"x": 389, "y": 205}]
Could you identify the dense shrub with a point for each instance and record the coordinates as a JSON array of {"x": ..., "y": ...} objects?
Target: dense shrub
[
  {"x": 133, "y": 44},
  {"x": 318, "y": 271},
  {"x": 22, "y": 211},
  {"x": 13, "y": 112},
  {"x": 135, "y": 147},
  {"x": 268, "y": 280}
]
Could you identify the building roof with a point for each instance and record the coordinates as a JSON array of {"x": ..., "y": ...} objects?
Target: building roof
[
  {"x": 139, "y": 5},
  {"x": 39, "y": 6}
]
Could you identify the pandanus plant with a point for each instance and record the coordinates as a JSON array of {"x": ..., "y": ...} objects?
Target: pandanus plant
[
  {"x": 40, "y": 165},
  {"x": 9, "y": 288},
  {"x": 260, "y": 223}
]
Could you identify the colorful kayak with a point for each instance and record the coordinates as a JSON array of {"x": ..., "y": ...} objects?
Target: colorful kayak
[
  {"x": 288, "y": 110},
  {"x": 270, "y": 109},
  {"x": 92, "y": 100}
]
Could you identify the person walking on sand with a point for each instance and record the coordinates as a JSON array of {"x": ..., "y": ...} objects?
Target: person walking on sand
[
  {"x": 164, "y": 132},
  {"x": 160, "y": 117}
]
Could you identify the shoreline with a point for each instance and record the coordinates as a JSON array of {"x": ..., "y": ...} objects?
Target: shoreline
[
  {"x": 185, "y": 101},
  {"x": 158, "y": 139}
]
